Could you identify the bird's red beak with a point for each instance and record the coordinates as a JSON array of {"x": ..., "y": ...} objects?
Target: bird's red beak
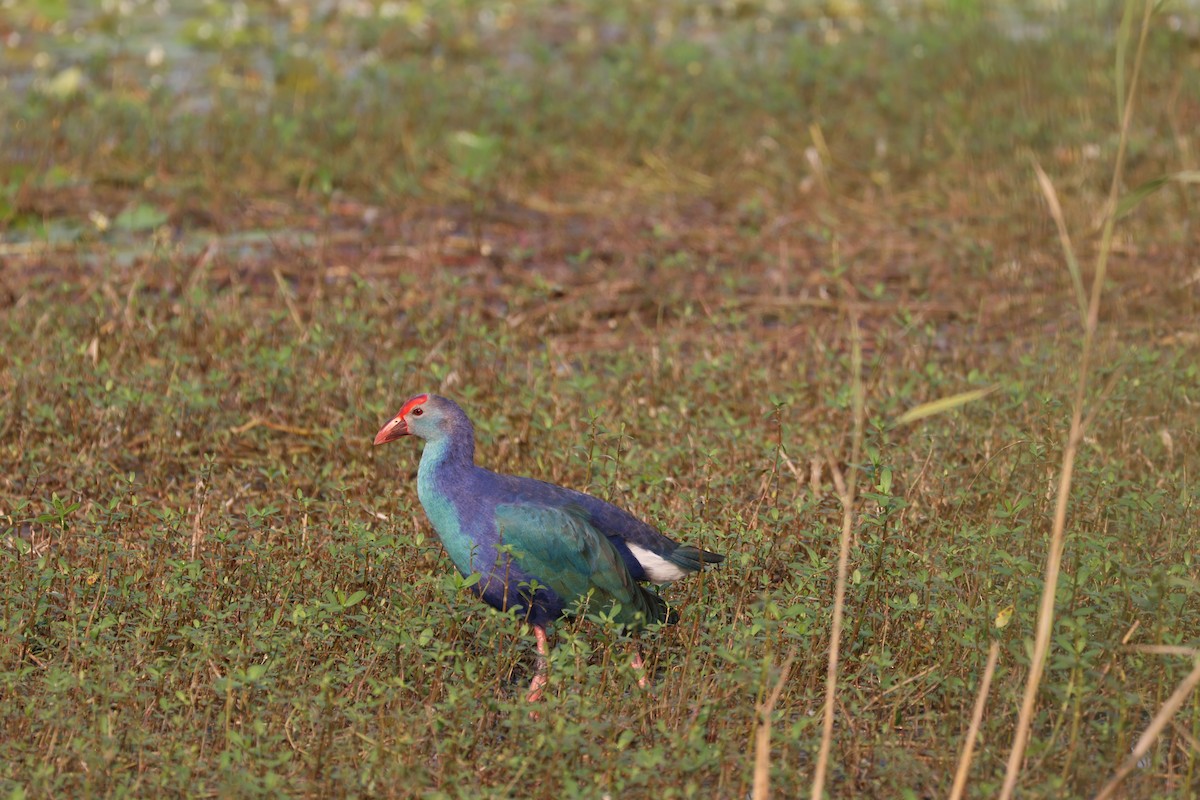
[{"x": 396, "y": 427}]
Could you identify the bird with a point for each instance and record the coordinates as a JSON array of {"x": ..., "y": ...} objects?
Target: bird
[{"x": 541, "y": 550}]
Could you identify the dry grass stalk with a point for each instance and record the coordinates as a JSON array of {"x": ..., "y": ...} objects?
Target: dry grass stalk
[
  {"x": 762, "y": 734},
  {"x": 1045, "y": 622},
  {"x": 1165, "y": 650},
  {"x": 201, "y": 495},
  {"x": 968, "y": 748},
  {"x": 1146, "y": 740},
  {"x": 845, "y": 488}
]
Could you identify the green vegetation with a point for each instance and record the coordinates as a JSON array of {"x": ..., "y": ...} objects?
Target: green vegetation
[{"x": 627, "y": 238}]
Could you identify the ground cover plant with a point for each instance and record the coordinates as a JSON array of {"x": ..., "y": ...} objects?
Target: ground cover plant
[{"x": 657, "y": 251}]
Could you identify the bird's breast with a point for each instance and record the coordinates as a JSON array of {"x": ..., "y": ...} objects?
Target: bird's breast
[{"x": 447, "y": 520}]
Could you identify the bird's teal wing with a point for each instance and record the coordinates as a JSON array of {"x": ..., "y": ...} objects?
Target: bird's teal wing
[{"x": 575, "y": 561}]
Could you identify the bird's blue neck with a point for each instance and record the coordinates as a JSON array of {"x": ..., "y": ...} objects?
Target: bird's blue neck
[
  {"x": 446, "y": 464},
  {"x": 453, "y": 451}
]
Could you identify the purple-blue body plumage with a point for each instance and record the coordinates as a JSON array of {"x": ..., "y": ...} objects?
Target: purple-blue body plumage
[{"x": 539, "y": 548}]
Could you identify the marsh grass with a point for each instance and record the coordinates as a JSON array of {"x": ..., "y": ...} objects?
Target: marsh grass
[{"x": 214, "y": 586}]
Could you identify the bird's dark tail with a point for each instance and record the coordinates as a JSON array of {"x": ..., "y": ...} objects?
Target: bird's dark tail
[{"x": 693, "y": 559}]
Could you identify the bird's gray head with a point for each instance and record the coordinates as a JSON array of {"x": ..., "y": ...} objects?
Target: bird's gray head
[{"x": 427, "y": 416}]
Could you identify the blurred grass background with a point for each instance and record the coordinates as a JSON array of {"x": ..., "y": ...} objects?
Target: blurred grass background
[{"x": 627, "y": 238}]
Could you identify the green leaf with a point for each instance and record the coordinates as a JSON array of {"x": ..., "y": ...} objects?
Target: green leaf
[
  {"x": 1132, "y": 200},
  {"x": 142, "y": 217},
  {"x": 475, "y": 156},
  {"x": 354, "y": 599}
]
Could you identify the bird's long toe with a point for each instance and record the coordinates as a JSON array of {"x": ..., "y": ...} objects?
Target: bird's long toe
[{"x": 639, "y": 666}]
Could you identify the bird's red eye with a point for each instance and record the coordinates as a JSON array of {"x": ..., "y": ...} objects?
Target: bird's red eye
[{"x": 418, "y": 411}]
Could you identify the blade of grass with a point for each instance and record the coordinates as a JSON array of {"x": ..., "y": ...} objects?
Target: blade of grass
[
  {"x": 289, "y": 299},
  {"x": 1045, "y": 622},
  {"x": 1123, "y": 35},
  {"x": 942, "y": 405},
  {"x": 1114, "y": 188},
  {"x": 1064, "y": 238},
  {"x": 845, "y": 488},
  {"x": 1134, "y": 198}
]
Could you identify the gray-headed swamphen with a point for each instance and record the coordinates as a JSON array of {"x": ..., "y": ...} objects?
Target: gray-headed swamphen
[{"x": 539, "y": 549}]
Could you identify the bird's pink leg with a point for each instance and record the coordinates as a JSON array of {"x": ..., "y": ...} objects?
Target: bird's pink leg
[
  {"x": 541, "y": 677},
  {"x": 640, "y": 666}
]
